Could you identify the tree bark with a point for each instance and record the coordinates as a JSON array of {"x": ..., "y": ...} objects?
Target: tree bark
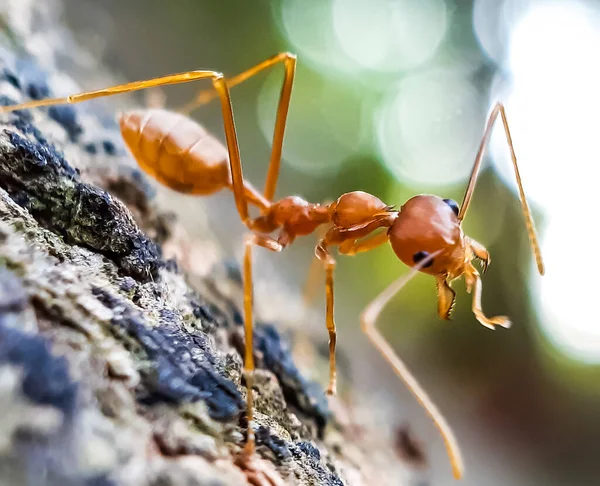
[{"x": 114, "y": 370}]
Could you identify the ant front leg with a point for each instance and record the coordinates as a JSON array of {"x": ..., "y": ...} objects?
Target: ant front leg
[
  {"x": 368, "y": 320},
  {"x": 474, "y": 286},
  {"x": 446, "y": 297},
  {"x": 473, "y": 283},
  {"x": 273, "y": 245},
  {"x": 480, "y": 253},
  {"x": 354, "y": 247}
]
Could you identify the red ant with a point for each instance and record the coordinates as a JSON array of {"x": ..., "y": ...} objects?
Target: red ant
[{"x": 425, "y": 233}]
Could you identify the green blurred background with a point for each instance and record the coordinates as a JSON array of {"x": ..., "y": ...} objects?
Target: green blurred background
[{"x": 391, "y": 97}]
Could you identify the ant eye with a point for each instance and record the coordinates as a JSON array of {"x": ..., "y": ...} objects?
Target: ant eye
[
  {"x": 453, "y": 204},
  {"x": 421, "y": 255}
]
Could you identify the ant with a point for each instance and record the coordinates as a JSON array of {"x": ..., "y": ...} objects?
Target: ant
[{"x": 425, "y": 233}]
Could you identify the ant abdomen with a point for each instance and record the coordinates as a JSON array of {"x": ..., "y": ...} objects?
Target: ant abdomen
[
  {"x": 176, "y": 151},
  {"x": 298, "y": 216}
]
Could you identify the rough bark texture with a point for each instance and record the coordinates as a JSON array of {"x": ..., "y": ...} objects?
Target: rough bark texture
[{"x": 113, "y": 368}]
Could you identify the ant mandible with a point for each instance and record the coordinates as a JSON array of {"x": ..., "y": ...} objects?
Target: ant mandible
[{"x": 425, "y": 233}]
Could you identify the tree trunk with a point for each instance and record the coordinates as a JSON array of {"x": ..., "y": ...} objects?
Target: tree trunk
[{"x": 114, "y": 370}]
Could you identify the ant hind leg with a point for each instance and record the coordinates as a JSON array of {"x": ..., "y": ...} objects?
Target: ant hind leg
[
  {"x": 269, "y": 243},
  {"x": 289, "y": 63}
]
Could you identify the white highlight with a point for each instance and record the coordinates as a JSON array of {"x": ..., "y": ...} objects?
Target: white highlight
[
  {"x": 389, "y": 35},
  {"x": 318, "y": 140},
  {"x": 351, "y": 36},
  {"x": 553, "y": 112},
  {"x": 429, "y": 128}
]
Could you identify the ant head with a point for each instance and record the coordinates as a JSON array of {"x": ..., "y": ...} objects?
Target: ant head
[{"x": 426, "y": 224}]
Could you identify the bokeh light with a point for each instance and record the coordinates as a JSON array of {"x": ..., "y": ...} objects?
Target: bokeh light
[
  {"x": 428, "y": 128},
  {"x": 551, "y": 53},
  {"x": 308, "y": 27},
  {"x": 318, "y": 138},
  {"x": 348, "y": 36},
  {"x": 567, "y": 294},
  {"x": 493, "y": 22},
  {"x": 389, "y": 36}
]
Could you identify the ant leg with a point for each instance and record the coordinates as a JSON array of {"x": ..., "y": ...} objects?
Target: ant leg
[
  {"x": 207, "y": 95},
  {"x": 314, "y": 271},
  {"x": 289, "y": 63},
  {"x": 339, "y": 236},
  {"x": 480, "y": 253},
  {"x": 473, "y": 282},
  {"x": 368, "y": 320},
  {"x": 350, "y": 243},
  {"x": 353, "y": 247},
  {"x": 322, "y": 253},
  {"x": 446, "y": 297},
  {"x": 246, "y": 460},
  {"x": 167, "y": 80},
  {"x": 499, "y": 109},
  {"x": 186, "y": 77},
  {"x": 270, "y": 244}
]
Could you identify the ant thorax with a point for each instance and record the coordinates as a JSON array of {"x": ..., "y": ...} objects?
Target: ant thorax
[{"x": 296, "y": 215}]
